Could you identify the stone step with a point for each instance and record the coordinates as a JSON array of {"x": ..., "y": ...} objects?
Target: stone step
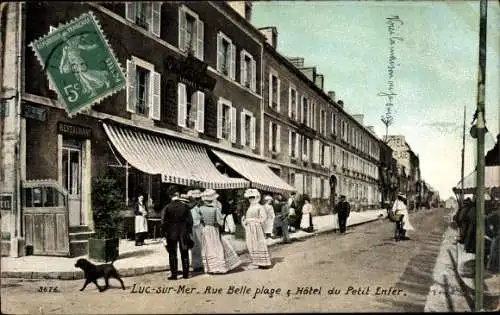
[
  {"x": 78, "y": 229},
  {"x": 78, "y": 248},
  {"x": 80, "y": 236}
]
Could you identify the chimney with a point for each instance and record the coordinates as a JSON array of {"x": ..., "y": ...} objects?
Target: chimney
[
  {"x": 298, "y": 62},
  {"x": 271, "y": 34},
  {"x": 244, "y": 8},
  {"x": 309, "y": 72},
  {"x": 319, "y": 80},
  {"x": 331, "y": 95},
  {"x": 341, "y": 103},
  {"x": 358, "y": 117}
]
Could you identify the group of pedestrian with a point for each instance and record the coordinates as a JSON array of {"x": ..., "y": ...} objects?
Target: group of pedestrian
[{"x": 195, "y": 221}]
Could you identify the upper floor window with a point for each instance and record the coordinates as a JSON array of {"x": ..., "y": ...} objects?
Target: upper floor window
[
  {"x": 274, "y": 91},
  {"x": 306, "y": 148},
  {"x": 312, "y": 119},
  {"x": 191, "y": 108},
  {"x": 293, "y": 144},
  {"x": 248, "y": 133},
  {"x": 226, "y": 56},
  {"x": 226, "y": 120},
  {"x": 274, "y": 137},
  {"x": 191, "y": 30},
  {"x": 305, "y": 111},
  {"x": 293, "y": 103},
  {"x": 143, "y": 89},
  {"x": 322, "y": 123},
  {"x": 334, "y": 124},
  {"x": 248, "y": 71},
  {"x": 145, "y": 14}
]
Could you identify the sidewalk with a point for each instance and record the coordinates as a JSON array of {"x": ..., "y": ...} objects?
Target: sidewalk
[{"x": 152, "y": 257}]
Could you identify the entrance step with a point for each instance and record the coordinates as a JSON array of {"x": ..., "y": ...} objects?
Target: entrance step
[
  {"x": 78, "y": 248},
  {"x": 78, "y": 229},
  {"x": 80, "y": 236}
]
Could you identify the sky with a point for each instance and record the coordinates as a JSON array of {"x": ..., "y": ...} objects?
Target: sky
[{"x": 434, "y": 75}]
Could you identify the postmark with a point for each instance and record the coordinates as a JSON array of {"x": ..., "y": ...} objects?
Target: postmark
[{"x": 79, "y": 63}]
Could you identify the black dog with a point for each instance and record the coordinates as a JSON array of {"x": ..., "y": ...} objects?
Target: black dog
[{"x": 93, "y": 272}]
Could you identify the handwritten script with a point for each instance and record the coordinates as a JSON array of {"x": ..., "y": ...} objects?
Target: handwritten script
[{"x": 393, "y": 24}]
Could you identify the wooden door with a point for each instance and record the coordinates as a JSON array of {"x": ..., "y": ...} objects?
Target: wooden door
[{"x": 45, "y": 219}]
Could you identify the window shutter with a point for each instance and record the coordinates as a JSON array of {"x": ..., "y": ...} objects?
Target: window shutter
[
  {"x": 182, "y": 104},
  {"x": 296, "y": 105},
  {"x": 289, "y": 101},
  {"x": 313, "y": 195},
  {"x": 279, "y": 95},
  {"x": 156, "y": 18},
  {"x": 233, "y": 62},
  {"x": 299, "y": 183},
  {"x": 254, "y": 75},
  {"x": 219, "y": 120},
  {"x": 200, "y": 39},
  {"x": 308, "y": 143},
  {"x": 130, "y": 86},
  {"x": 130, "y": 11},
  {"x": 278, "y": 139},
  {"x": 270, "y": 137},
  {"x": 252, "y": 129},
  {"x": 289, "y": 142},
  {"x": 316, "y": 147},
  {"x": 327, "y": 156},
  {"x": 302, "y": 100},
  {"x": 182, "y": 29},
  {"x": 51, "y": 86},
  {"x": 242, "y": 124},
  {"x": 327, "y": 188},
  {"x": 297, "y": 141},
  {"x": 243, "y": 68},
  {"x": 219, "y": 52},
  {"x": 233, "y": 124},
  {"x": 270, "y": 89},
  {"x": 155, "y": 106},
  {"x": 201, "y": 111}
]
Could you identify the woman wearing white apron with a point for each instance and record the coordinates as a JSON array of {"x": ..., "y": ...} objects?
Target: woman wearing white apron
[
  {"x": 399, "y": 207},
  {"x": 307, "y": 208},
  {"x": 269, "y": 223},
  {"x": 141, "y": 223}
]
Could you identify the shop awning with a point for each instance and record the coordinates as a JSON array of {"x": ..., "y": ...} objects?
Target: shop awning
[
  {"x": 259, "y": 174},
  {"x": 491, "y": 180},
  {"x": 178, "y": 162}
]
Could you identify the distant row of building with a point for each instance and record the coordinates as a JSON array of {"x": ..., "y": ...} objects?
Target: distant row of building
[{"x": 209, "y": 102}]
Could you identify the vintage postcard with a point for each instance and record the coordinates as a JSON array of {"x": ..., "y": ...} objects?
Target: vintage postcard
[{"x": 174, "y": 157}]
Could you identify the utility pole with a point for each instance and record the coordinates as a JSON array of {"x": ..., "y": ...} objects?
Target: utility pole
[
  {"x": 480, "y": 126},
  {"x": 462, "y": 171}
]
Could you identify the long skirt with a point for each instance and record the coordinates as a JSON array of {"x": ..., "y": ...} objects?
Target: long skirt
[
  {"x": 229, "y": 225},
  {"x": 196, "y": 256},
  {"x": 256, "y": 244},
  {"x": 141, "y": 224},
  {"x": 335, "y": 221},
  {"x": 217, "y": 254},
  {"x": 305, "y": 221},
  {"x": 406, "y": 221}
]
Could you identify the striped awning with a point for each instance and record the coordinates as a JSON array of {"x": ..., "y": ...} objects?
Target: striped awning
[
  {"x": 259, "y": 174},
  {"x": 178, "y": 162}
]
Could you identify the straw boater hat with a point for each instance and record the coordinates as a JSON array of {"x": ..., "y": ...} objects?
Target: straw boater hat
[
  {"x": 209, "y": 195},
  {"x": 268, "y": 198},
  {"x": 195, "y": 193},
  {"x": 402, "y": 195},
  {"x": 251, "y": 192}
]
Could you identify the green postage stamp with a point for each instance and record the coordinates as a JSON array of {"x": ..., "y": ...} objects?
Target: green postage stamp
[{"x": 79, "y": 63}]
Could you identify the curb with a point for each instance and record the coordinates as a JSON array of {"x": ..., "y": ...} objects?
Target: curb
[{"x": 137, "y": 271}]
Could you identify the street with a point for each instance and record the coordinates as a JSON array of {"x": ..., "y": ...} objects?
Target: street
[{"x": 362, "y": 271}]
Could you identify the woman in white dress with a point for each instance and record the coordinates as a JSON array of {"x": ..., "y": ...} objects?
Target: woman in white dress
[
  {"x": 307, "y": 208},
  {"x": 141, "y": 222},
  {"x": 253, "y": 221},
  {"x": 217, "y": 253},
  {"x": 268, "y": 224},
  {"x": 399, "y": 207}
]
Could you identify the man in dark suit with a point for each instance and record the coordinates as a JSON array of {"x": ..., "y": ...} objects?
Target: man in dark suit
[
  {"x": 177, "y": 224},
  {"x": 343, "y": 208}
]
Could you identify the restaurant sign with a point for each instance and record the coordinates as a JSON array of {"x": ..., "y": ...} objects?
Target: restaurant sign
[
  {"x": 74, "y": 130},
  {"x": 33, "y": 112}
]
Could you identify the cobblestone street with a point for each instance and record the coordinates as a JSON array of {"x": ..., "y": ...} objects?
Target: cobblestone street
[{"x": 364, "y": 270}]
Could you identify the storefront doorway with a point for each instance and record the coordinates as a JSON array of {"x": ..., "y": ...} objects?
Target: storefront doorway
[{"x": 72, "y": 179}]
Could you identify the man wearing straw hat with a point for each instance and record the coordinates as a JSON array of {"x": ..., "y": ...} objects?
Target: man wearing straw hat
[
  {"x": 177, "y": 224},
  {"x": 196, "y": 259}
]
